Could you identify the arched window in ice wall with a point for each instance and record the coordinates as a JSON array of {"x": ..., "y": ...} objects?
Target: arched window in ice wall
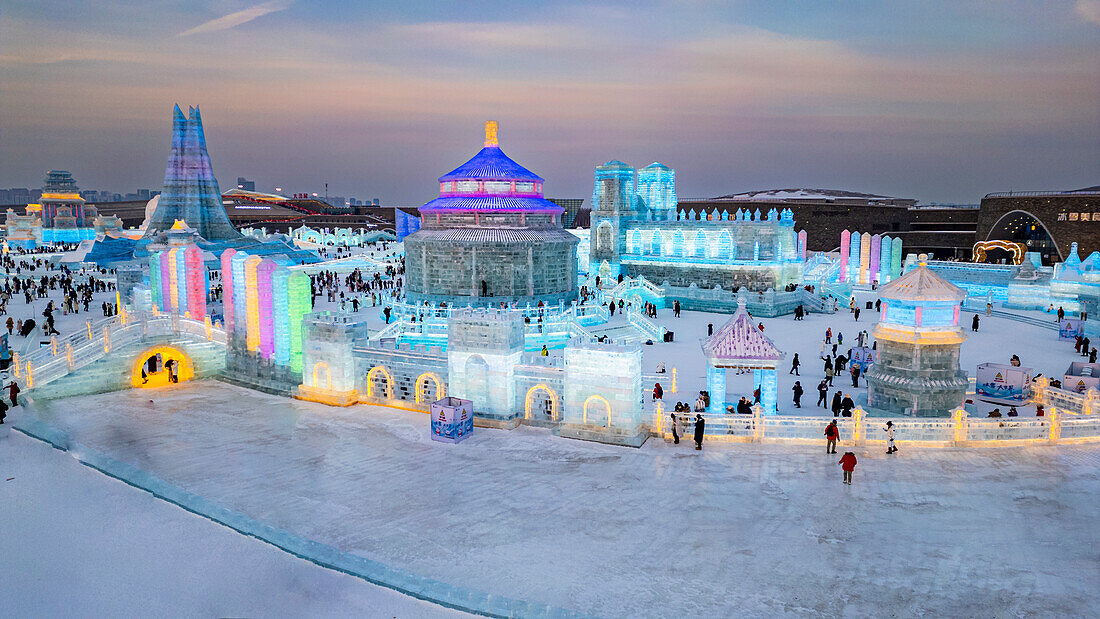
[
  {"x": 724, "y": 251},
  {"x": 678, "y": 243},
  {"x": 700, "y": 244},
  {"x": 636, "y": 243},
  {"x": 603, "y": 237},
  {"x": 655, "y": 244}
]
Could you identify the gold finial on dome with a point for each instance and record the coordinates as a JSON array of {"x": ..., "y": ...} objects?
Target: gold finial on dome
[
  {"x": 491, "y": 133},
  {"x": 922, "y": 260}
]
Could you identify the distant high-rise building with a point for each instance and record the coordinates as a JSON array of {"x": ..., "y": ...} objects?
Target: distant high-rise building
[
  {"x": 571, "y": 206},
  {"x": 245, "y": 184}
]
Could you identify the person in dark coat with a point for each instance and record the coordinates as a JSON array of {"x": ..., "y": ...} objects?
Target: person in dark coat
[
  {"x": 1084, "y": 343},
  {"x": 675, "y": 430},
  {"x": 974, "y": 323},
  {"x": 855, "y": 375},
  {"x": 822, "y": 394},
  {"x": 700, "y": 425},
  {"x": 835, "y": 407},
  {"x": 1092, "y": 355},
  {"x": 794, "y": 365},
  {"x": 3, "y": 412},
  {"x": 832, "y": 433},
  {"x": 13, "y": 393},
  {"x": 797, "y": 394},
  {"x": 846, "y": 406}
]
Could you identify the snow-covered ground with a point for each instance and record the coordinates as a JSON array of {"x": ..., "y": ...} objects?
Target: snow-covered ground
[
  {"x": 757, "y": 530},
  {"x": 76, "y": 543}
]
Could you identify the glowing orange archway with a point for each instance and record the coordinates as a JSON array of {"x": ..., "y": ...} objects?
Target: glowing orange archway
[
  {"x": 317, "y": 367},
  {"x": 185, "y": 368},
  {"x": 370, "y": 382},
  {"x": 1018, "y": 250},
  {"x": 422, "y": 382},
  {"x": 531, "y": 396}
]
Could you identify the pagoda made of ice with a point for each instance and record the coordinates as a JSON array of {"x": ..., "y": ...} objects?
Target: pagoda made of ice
[
  {"x": 917, "y": 370},
  {"x": 490, "y": 237},
  {"x": 191, "y": 192},
  {"x": 741, "y": 345}
]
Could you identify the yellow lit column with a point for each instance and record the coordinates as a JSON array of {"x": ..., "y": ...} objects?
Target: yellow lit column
[{"x": 252, "y": 303}]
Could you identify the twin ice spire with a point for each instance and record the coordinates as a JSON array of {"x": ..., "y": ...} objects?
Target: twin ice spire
[{"x": 191, "y": 192}]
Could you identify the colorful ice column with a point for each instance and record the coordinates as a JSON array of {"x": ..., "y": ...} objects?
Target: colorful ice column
[
  {"x": 174, "y": 280},
  {"x": 300, "y": 303},
  {"x": 876, "y": 247},
  {"x": 154, "y": 280},
  {"x": 267, "y": 318},
  {"x": 196, "y": 282},
  {"x": 853, "y": 258},
  {"x": 180, "y": 267},
  {"x": 802, "y": 244},
  {"x": 864, "y": 257},
  {"x": 227, "y": 290},
  {"x": 884, "y": 261},
  {"x": 252, "y": 303},
  {"x": 165, "y": 281},
  {"x": 845, "y": 247},
  {"x": 240, "y": 311},
  {"x": 281, "y": 311},
  {"x": 895, "y": 261}
]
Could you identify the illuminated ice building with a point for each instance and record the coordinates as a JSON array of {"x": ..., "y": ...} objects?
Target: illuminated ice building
[
  {"x": 917, "y": 371},
  {"x": 491, "y": 237},
  {"x": 699, "y": 258},
  {"x": 59, "y": 216}
]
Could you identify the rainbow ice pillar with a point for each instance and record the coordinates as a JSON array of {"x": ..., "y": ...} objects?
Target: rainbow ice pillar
[
  {"x": 227, "y": 290},
  {"x": 845, "y": 246},
  {"x": 240, "y": 311},
  {"x": 281, "y": 310},
  {"x": 876, "y": 247},
  {"x": 895, "y": 258},
  {"x": 853, "y": 258},
  {"x": 267, "y": 319},
  {"x": 180, "y": 265},
  {"x": 165, "y": 281},
  {"x": 252, "y": 302},
  {"x": 154, "y": 280},
  {"x": 300, "y": 302},
  {"x": 864, "y": 257},
  {"x": 802, "y": 244},
  {"x": 174, "y": 279},
  {"x": 196, "y": 282},
  {"x": 884, "y": 261}
]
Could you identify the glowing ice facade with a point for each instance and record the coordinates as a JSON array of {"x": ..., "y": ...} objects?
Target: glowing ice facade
[
  {"x": 917, "y": 370},
  {"x": 635, "y": 230},
  {"x": 265, "y": 305},
  {"x": 178, "y": 281}
]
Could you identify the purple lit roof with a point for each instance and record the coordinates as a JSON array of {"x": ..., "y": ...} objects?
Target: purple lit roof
[
  {"x": 490, "y": 163},
  {"x": 490, "y": 203}
]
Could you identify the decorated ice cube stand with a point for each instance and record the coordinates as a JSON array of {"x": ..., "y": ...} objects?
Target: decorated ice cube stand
[
  {"x": 1003, "y": 383},
  {"x": 452, "y": 420},
  {"x": 741, "y": 345},
  {"x": 917, "y": 370}
]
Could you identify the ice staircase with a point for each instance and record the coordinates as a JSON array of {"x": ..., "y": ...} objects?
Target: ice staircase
[{"x": 1030, "y": 320}]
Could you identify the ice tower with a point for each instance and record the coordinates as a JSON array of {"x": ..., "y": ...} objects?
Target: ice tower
[
  {"x": 491, "y": 237},
  {"x": 917, "y": 370},
  {"x": 191, "y": 192}
]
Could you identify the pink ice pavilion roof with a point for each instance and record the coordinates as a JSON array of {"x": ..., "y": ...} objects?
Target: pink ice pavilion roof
[{"x": 740, "y": 340}]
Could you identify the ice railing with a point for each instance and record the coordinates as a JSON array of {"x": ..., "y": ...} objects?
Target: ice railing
[
  {"x": 958, "y": 429},
  {"x": 1070, "y": 401},
  {"x": 651, "y": 329},
  {"x": 96, "y": 340}
]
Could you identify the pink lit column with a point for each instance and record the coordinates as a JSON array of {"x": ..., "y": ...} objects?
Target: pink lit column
[
  {"x": 196, "y": 282},
  {"x": 845, "y": 247},
  {"x": 876, "y": 247},
  {"x": 227, "y": 290},
  {"x": 267, "y": 316}
]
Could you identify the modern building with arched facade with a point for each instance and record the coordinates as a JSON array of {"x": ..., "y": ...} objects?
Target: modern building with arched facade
[{"x": 491, "y": 237}]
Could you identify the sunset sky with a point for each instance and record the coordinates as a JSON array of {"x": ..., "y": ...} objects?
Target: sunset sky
[{"x": 935, "y": 100}]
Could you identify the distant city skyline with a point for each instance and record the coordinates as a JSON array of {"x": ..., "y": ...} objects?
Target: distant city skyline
[{"x": 941, "y": 101}]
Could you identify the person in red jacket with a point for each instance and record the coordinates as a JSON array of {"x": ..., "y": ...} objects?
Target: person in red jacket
[
  {"x": 831, "y": 434},
  {"x": 848, "y": 463}
]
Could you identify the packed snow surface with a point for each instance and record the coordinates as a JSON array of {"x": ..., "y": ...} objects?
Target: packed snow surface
[{"x": 664, "y": 530}]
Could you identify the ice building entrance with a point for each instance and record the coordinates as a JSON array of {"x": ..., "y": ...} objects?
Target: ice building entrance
[
  {"x": 740, "y": 345},
  {"x": 160, "y": 366}
]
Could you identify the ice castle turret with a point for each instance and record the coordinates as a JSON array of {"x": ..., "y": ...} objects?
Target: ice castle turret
[
  {"x": 191, "y": 192},
  {"x": 917, "y": 369},
  {"x": 491, "y": 237}
]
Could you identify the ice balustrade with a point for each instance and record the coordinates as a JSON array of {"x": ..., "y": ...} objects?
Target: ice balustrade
[
  {"x": 860, "y": 429},
  {"x": 88, "y": 345},
  {"x": 651, "y": 329}
]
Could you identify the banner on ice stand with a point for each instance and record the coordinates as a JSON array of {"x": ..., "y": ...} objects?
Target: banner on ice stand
[
  {"x": 452, "y": 420},
  {"x": 1070, "y": 328},
  {"x": 1001, "y": 383}
]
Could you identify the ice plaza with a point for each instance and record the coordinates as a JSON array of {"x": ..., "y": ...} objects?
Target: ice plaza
[{"x": 495, "y": 414}]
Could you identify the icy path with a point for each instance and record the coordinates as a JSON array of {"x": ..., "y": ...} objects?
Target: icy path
[
  {"x": 76, "y": 543},
  {"x": 660, "y": 531}
]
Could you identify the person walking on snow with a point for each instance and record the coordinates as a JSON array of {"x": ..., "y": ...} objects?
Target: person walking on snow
[
  {"x": 829, "y": 335},
  {"x": 848, "y": 464},
  {"x": 974, "y": 323},
  {"x": 855, "y": 375},
  {"x": 889, "y": 429},
  {"x": 675, "y": 430},
  {"x": 988, "y": 309},
  {"x": 831, "y": 434},
  {"x": 822, "y": 394},
  {"x": 544, "y": 352},
  {"x": 700, "y": 425},
  {"x": 13, "y": 394},
  {"x": 835, "y": 405},
  {"x": 797, "y": 394},
  {"x": 658, "y": 392},
  {"x": 794, "y": 365}
]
